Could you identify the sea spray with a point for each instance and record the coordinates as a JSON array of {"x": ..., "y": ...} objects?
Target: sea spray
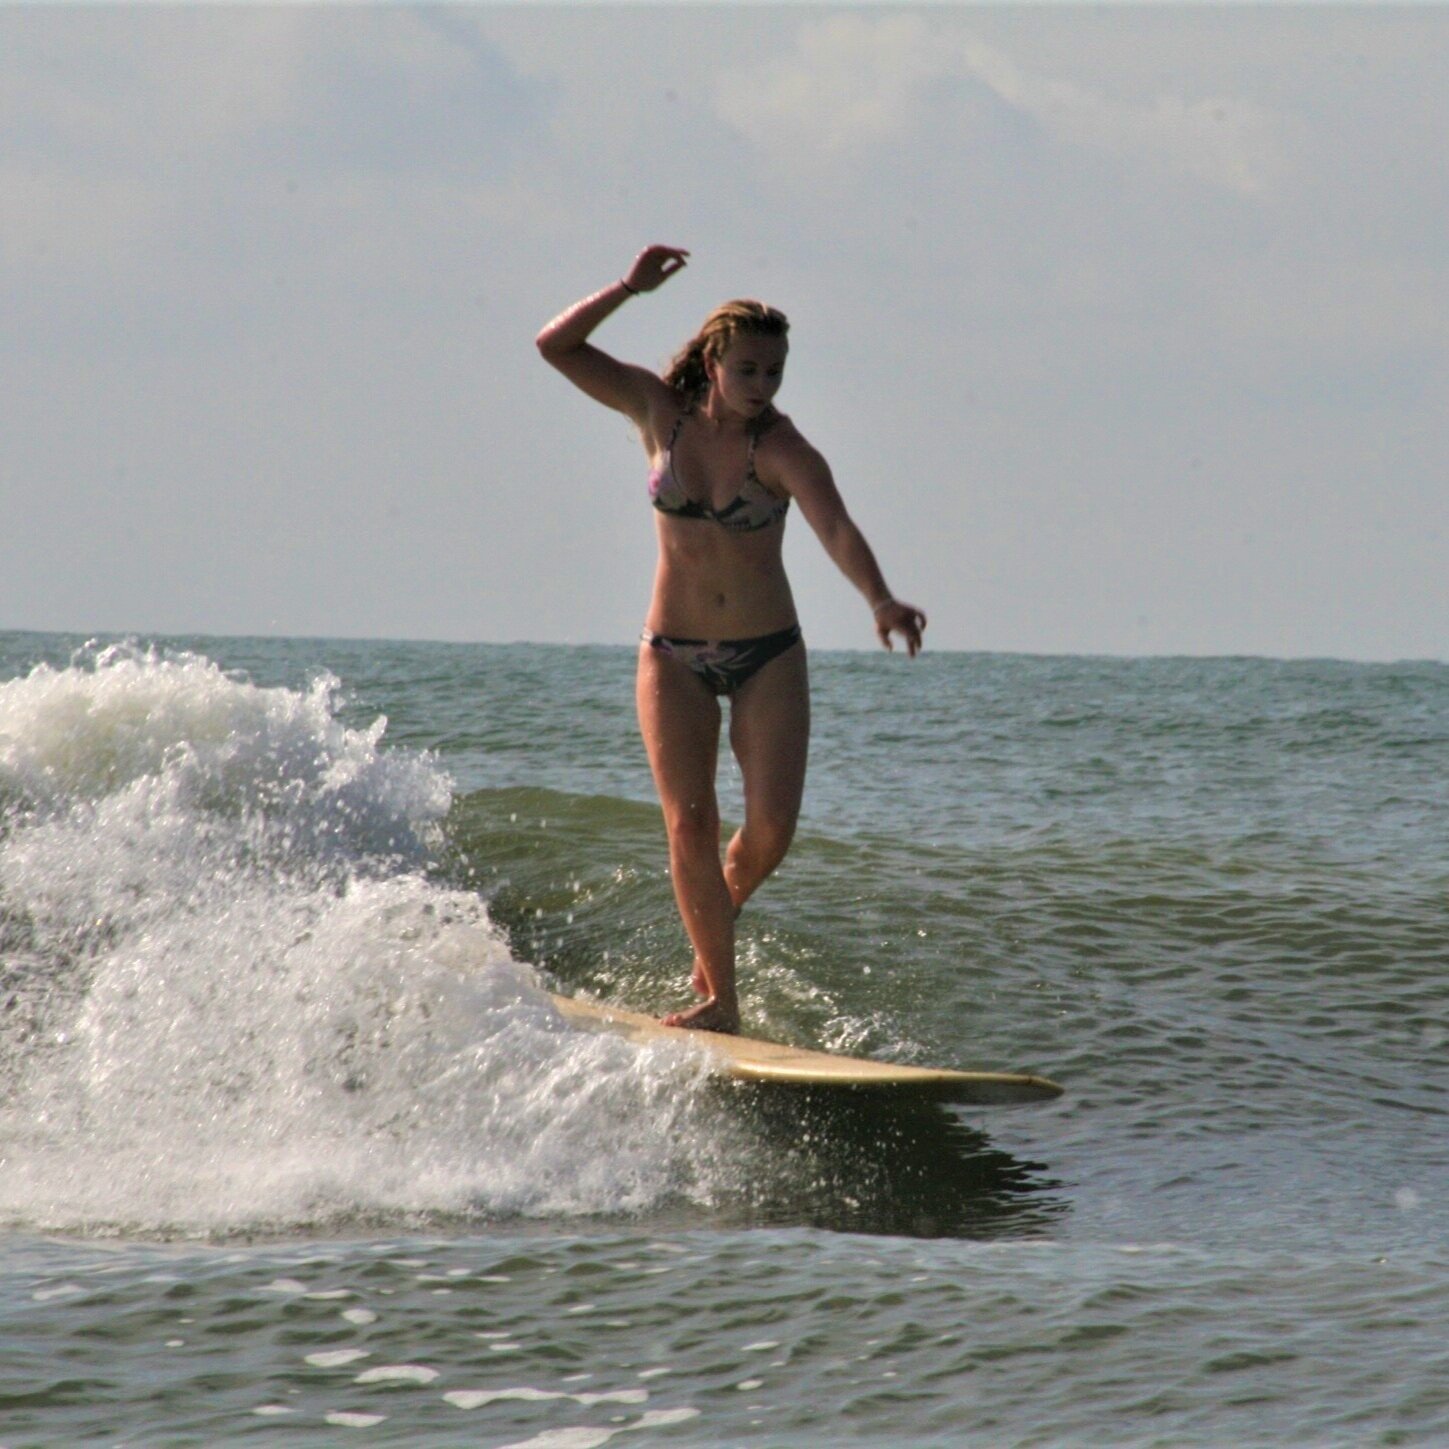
[{"x": 235, "y": 999}]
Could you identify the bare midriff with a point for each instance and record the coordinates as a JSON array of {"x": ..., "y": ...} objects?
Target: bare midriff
[{"x": 712, "y": 584}]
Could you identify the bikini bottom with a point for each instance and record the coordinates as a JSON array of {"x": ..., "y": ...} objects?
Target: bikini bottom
[{"x": 724, "y": 664}]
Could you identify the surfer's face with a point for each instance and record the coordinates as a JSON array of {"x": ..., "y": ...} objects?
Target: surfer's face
[{"x": 748, "y": 373}]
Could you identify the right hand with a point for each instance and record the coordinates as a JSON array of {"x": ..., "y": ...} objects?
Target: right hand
[{"x": 654, "y": 266}]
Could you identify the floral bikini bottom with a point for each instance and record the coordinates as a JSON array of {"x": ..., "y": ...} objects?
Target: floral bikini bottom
[{"x": 724, "y": 664}]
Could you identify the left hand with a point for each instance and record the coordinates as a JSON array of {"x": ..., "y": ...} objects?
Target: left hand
[{"x": 903, "y": 619}]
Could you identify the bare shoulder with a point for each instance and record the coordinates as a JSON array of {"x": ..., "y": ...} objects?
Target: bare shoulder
[
  {"x": 787, "y": 459},
  {"x": 778, "y": 442}
]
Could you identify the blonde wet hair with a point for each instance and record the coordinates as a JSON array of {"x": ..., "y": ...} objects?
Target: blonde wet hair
[{"x": 743, "y": 317}]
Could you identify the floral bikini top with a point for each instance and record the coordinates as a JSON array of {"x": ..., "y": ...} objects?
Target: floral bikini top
[{"x": 752, "y": 508}]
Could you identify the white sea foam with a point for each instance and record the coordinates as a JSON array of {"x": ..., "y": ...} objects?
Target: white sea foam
[
  {"x": 594, "y": 1436},
  {"x": 336, "y": 1357},
  {"x": 238, "y": 998},
  {"x": 63, "y": 1290},
  {"x": 477, "y": 1398},
  {"x": 662, "y": 1418},
  {"x": 583, "y": 1437},
  {"x": 397, "y": 1373}
]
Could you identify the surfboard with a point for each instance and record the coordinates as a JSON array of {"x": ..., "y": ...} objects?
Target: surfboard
[{"x": 743, "y": 1059}]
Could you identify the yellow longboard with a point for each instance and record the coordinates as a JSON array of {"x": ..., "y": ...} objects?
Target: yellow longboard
[{"x": 746, "y": 1060}]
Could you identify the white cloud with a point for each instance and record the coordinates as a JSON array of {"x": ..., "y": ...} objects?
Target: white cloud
[
  {"x": 103, "y": 116},
  {"x": 96, "y": 87},
  {"x": 1225, "y": 141},
  {"x": 854, "y": 83},
  {"x": 154, "y": 147},
  {"x": 851, "y": 83}
]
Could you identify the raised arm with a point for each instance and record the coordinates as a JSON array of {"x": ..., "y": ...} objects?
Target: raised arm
[
  {"x": 807, "y": 477},
  {"x": 564, "y": 342}
]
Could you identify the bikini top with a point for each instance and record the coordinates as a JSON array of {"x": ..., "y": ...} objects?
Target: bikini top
[{"x": 752, "y": 508}]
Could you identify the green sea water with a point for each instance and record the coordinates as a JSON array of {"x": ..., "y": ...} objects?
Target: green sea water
[{"x": 293, "y": 1151}]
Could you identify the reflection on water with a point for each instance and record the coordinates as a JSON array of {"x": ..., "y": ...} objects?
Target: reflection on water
[{"x": 860, "y": 1165}]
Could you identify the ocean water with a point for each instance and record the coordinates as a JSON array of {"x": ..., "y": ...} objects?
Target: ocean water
[{"x": 293, "y": 1149}]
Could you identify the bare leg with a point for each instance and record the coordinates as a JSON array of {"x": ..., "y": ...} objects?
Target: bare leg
[
  {"x": 770, "y": 737},
  {"x": 680, "y": 721}
]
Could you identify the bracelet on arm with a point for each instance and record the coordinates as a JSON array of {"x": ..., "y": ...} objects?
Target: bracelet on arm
[
  {"x": 885, "y": 603},
  {"x": 632, "y": 291}
]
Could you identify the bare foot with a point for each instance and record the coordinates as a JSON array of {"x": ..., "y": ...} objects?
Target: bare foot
[{"x": 708, "y": 1016}]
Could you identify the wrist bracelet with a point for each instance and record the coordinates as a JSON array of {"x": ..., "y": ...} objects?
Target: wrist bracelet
[
  {"x": 632, "y": 291},
  {"x": 884, "y": 603}
]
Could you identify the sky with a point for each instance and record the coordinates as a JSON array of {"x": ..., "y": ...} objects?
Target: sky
[{"x": 1123, "y": 329}]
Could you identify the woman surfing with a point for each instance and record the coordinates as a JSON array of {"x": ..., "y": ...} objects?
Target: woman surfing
[{"x": 725, "y": 467}]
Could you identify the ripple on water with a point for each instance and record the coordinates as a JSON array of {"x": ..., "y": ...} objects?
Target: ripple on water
[{"x": 1049, "y": 1339}]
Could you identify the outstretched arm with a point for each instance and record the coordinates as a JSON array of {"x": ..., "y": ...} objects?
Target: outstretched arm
[
  {"x": 808, "y": 479},
  {"x": 564, "y": 342}
]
